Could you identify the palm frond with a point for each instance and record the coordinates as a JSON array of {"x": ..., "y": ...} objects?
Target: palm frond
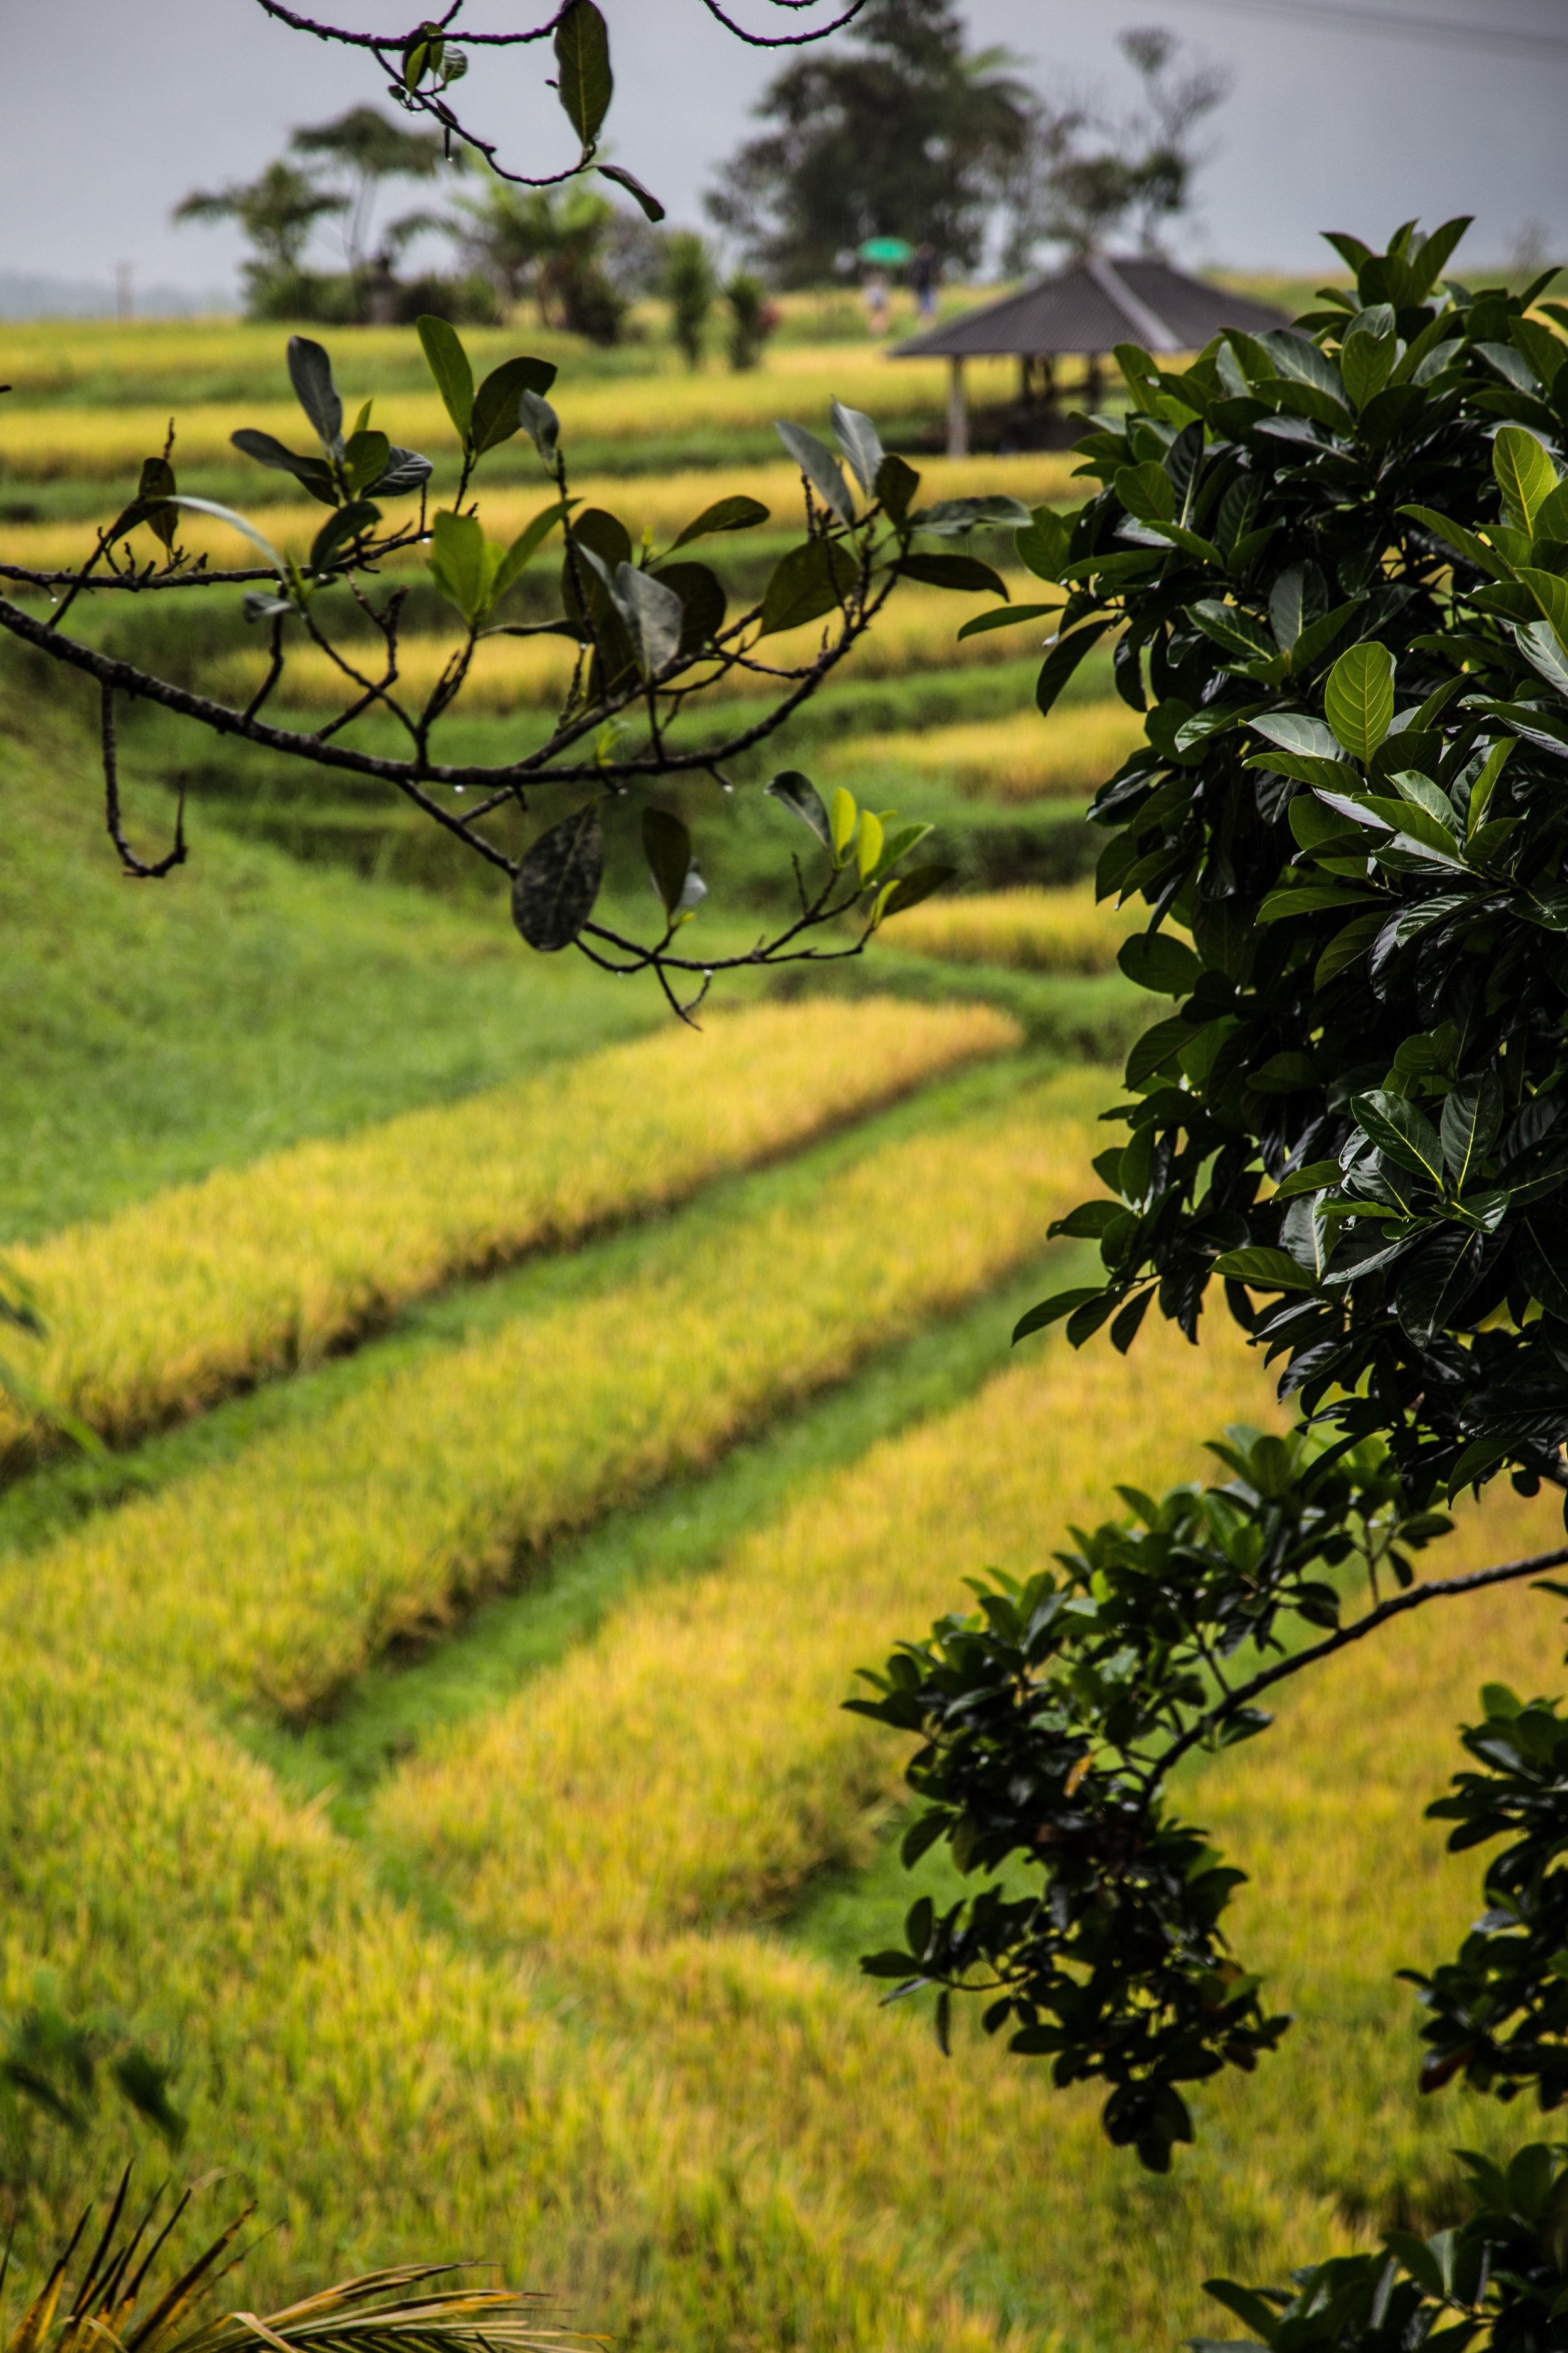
[{"x": 376, "y": 2312}]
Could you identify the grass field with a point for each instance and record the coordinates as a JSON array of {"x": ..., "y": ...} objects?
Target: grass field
[{"x": 423, "y": 1727}]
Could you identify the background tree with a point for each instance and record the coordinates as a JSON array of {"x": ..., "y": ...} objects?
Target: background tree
[
  {"x": 902, "y": 135},
  {"x": 553, "y": 245},
  {"x": 275, "y": 212},
  {"x": 690, "y": 284},
  {"x": 752, "y": 319},
  {"x": 1080, "y": 182},
  {"x": 370, "y": 148}
]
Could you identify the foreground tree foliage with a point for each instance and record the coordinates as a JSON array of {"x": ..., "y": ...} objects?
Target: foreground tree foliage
[{"x": 1335, "y": 558}]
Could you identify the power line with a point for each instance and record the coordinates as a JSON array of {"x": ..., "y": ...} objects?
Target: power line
[{"x": 1395, "y": 22}]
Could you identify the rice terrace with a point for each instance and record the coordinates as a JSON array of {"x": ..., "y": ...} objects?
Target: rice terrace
[{"x": 609, "y": 885}]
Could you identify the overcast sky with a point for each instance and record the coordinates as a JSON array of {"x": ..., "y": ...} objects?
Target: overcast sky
[{"x": 111, "y": 109}]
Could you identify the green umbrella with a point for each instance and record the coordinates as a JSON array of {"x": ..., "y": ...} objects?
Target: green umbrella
[{"x": 893, "y": 250}]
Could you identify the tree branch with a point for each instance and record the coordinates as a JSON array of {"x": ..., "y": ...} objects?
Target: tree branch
[{"x": 1436, "y": 1589}]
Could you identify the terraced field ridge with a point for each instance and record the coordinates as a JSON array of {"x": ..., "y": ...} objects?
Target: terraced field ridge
[
  {"x": 159, "y": 1310},
  {"x": 1032, "y": 930},
  {"x": 273, "y": 1581}
]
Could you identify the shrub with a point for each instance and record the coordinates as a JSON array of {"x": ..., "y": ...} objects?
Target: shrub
[
  {"x": 1334, "y": 557},
  {"x": 690, "y": 285}
]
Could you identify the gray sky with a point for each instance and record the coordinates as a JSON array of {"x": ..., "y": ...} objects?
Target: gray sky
[{"x": 111, "y": 109}]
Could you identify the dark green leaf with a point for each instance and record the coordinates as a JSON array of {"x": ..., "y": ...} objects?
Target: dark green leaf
[
  {"x": 1006, "y": 616},
  {"x": 1063, "y": 660},
  {"x": 724, "y": 515},
  {"x": 1156, "y": 961},
  {"x": 951, "y": 517},
  {"x": 1051, "y": 1311},
  {"x": 1265, "y": 1269},
  {"x": 812, "y": 579},
  {"x": 667, "y": 846},
  {"x": 911, "y": 888},
  {"x": 310, "y": 374},
  {"x": 314, "y": 472},
  {"x": 1400, "y": 1130},
  {"x": 634, "y": 188},
  {"x": 797, "y": 792},
  {"x": 497, "y": 409},
  {"x": 1472, "y": 1121},
  {"x": 964, "y": 573},
  {"x": 897, "y": 482},
  {"x": 702, "y": 603},
  {"x": 449, "y": 363},
  {"x": 582, "y": 69},
  {"x": 553, "y": 892},
  {"x": 347, "y": 524}
]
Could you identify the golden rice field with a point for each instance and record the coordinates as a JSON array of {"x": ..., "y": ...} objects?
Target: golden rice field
[
  {"x": 159, "y": 1310},
  {"x": 556, "y": 1982},
  {"x": 45, "y": 444},
  {"x": 661, "y": 503},
  {"x": 918, "y": 631},
  {"x": 628, "y": 2091},
  {"x": 387, "y": 1515},
  {"x": 1032, "y": 929},
  {"x": 1019, "y": 758}
]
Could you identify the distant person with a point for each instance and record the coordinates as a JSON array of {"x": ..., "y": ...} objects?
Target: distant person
[
  {"x": 925, "y": 277},
  {"x": 874, "y": 293}
]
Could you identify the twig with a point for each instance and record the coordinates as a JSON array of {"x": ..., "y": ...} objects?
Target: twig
[{"x": 135, "y": 868}]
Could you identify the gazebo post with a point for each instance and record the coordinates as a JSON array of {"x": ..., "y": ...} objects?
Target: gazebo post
[{"x": 957, "y": 414}]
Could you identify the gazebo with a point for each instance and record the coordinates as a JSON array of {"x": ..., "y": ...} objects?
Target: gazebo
[{"x": 1090, "y": 308}]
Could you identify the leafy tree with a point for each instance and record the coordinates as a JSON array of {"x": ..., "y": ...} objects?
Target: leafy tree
[
  {"x": 901, "y": 136},
  {"x": 276, "y": 211},
  {"x": 690, "y": 285},
  {"x": 370, "y": 148},
  {"x": 1336, "y": 559},
  {"x": 1135, "y": 174},
  {"x": 553, "y": 245},
  {"x": 752, "y": 319}
]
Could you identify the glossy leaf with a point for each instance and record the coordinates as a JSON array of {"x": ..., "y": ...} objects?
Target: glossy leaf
[
  {"x": 1525, "y": 474},
  {"x": 1156, "y": 961},
  {"x": 1358, "y": 699},
  {"x": 314, "y": 473},
  {"x": 653, "y": 615},
  {"x": 449, "y": 365},
  {"x": 820, "y": 467},
  {"x": 496, "y": 411},
  {"x": 310, "y": 374},
  {"x": 797, "y": 792},
  {"x": 861, "y": 445}
]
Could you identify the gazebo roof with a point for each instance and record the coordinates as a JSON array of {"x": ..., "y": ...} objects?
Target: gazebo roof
[{"x": 1092, "y": 307}]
